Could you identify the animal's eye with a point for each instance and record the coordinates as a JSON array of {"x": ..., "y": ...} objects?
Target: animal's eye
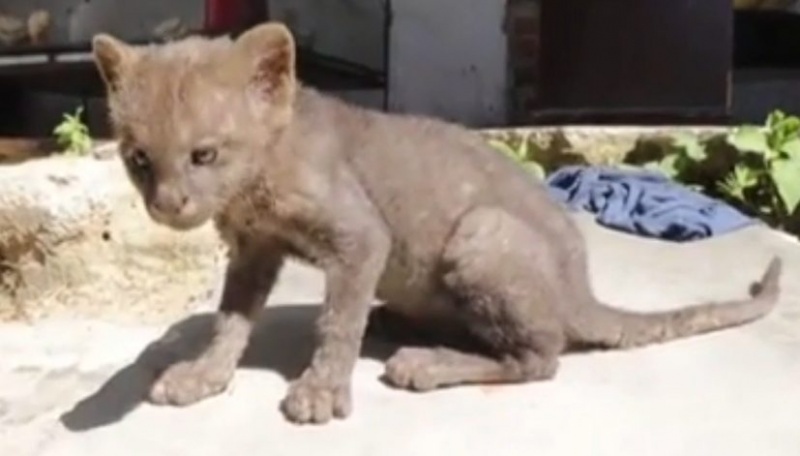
[
  {"x": 139, "y": 159},
  {"x": 203, "y": 156}
]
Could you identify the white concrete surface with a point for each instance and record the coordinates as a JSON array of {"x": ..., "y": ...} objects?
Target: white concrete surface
[{"x": 729, "y": 393}]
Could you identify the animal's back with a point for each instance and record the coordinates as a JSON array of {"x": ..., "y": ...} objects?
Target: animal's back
[{"x": 423, "y": 174}]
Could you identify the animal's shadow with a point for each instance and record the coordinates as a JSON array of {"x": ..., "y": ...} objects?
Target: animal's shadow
[{"x": 282, "y": 341}]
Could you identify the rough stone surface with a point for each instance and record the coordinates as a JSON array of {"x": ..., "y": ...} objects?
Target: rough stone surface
[
  {"x": 599, "y": 144},
  {"x": 74, "y": 387},
  {"x": 74, "y": 237}
]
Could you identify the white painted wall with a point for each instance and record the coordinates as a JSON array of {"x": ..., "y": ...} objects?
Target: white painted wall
[
  {"x": 447, "y": 57},
  {"x": 351, "y": 29}
]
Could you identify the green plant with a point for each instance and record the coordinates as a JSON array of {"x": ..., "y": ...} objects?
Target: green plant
[
  {"x": 683, "y": 152},
  {"x": 72, "y": 134},
  {"x": 764, "y": 177},
  {"x": 767, "y": 176},
  {"x": 519, "y": 150}
]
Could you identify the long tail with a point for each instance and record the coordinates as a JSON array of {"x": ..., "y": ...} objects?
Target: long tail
[{"x": 608, "y": 327}]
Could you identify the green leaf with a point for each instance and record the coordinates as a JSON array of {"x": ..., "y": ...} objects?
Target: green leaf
[
  {"x": 781, "y": 128},
  {"x": 524, "y": 148},
  {"x": 691, "y": 145},
  {"x": 750, "y": 138},
  {"x": 788, "y": 126},
  {"x": 669, "y": 165},
  {"x": 72, "y": 134},
  {"x": 738, "y": 181},
  {"x": 745, "y": 177},
  {"x": 792, "y": 148},
  {"x": 696, "y": 151},
  {"x": 503, "y": 147},
  {"x": 774, "y": 118},
  {"x": 535, "y": 169},
  {"x": 730, "y": 186},
  {"x": 786, "y": 176}
]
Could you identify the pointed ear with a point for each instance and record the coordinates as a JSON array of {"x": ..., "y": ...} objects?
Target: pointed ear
[
  {"x": 112, "y": 58},
  {"x": 267, "y": 52}
]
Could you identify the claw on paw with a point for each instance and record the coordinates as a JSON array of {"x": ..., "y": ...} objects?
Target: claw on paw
[{"x": 315, "y": 402}]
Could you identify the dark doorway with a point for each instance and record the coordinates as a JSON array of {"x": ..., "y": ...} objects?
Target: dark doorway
[{"x": 646, "y": 61}]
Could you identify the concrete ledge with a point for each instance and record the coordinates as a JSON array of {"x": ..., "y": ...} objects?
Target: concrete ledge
[{"x": 74, "y": 237}]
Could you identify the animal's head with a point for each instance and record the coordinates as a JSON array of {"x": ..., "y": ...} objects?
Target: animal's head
[{"x": 196, "y": 118}]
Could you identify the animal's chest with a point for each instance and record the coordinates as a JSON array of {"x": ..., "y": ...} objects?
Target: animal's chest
[{"x": 254, "y": 225}]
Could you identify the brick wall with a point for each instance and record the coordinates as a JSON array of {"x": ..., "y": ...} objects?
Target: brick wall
[{"x": 522, "y": 32}]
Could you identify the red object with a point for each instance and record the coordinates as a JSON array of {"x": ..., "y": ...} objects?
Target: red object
[{"x": 227, "y": 15}]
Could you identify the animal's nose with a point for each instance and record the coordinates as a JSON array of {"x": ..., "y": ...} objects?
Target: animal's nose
[{"x": 170, "y": 200}]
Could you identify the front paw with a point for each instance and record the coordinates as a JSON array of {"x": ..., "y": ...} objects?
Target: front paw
[
  {"x": 190, "y": 381},
  {"x": 314, "y": 400}
]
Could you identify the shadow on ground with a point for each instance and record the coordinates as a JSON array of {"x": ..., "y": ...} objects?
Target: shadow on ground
[{"x": 282, "y": 341}]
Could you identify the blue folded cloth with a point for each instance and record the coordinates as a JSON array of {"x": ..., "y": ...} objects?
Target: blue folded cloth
[{"x": 645, "y": 203}]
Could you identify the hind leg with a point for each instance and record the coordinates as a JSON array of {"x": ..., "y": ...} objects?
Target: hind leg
[
  {"x": 390, "y": 326},
  {"x": 425, "y": 369},
  {"x": 498, "y": 273}
]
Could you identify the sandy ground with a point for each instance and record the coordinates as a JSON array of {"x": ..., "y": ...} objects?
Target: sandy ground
[{"x": 74, "y": 387}]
